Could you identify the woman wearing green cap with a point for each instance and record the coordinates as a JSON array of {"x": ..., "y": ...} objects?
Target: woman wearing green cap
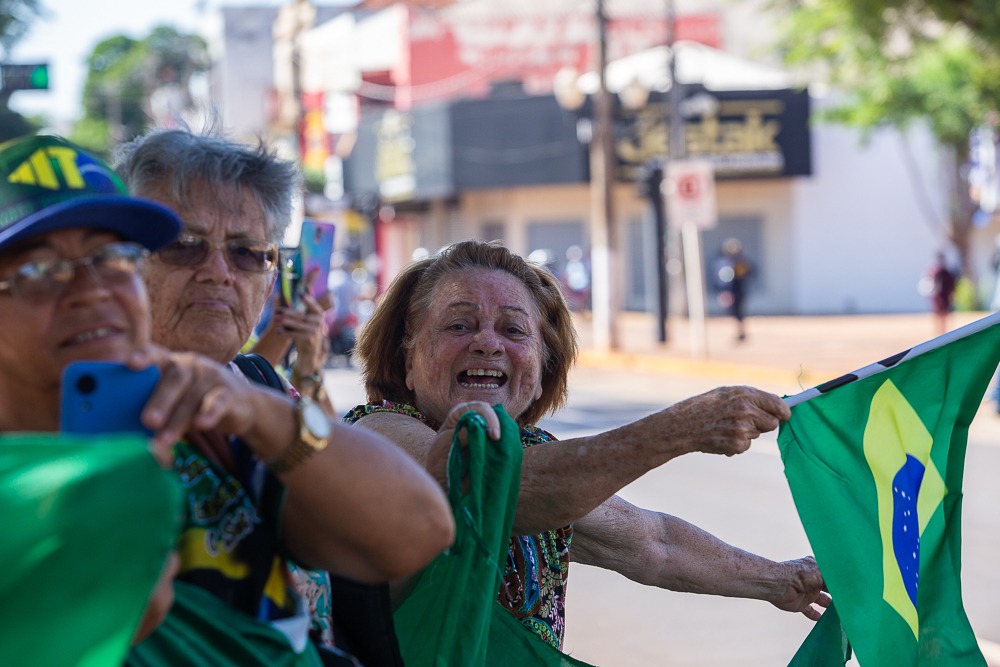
[{"x": 71, "y": 244}]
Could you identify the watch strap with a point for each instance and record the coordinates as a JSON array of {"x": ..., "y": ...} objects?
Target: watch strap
[{"x": 305, "y": 445}]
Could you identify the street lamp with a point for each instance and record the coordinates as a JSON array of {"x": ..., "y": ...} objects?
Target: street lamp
[
  {"x": 571, "y": 94},
  {"x": 598, "y": 132}
]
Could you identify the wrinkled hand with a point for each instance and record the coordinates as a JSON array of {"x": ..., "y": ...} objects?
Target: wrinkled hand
[
  {"x": 303, "y": 325},
  {"x": 437, "y": 457},
  {"x": 727, "y": 419},
  {"x": 310, "y": 333},
  {"x": 194, "y": 394},
  {"x": 805, "y": 590}
]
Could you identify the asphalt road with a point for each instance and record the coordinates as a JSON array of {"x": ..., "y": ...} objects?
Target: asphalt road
[{"x": 743, "y": 500}]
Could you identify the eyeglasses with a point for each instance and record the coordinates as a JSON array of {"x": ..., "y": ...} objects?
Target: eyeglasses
[
  {"x": 241, "y": 254},
  {"x": 110, "y": 264}
]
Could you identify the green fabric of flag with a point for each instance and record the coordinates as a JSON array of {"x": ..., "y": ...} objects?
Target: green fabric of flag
[
  {"x": 446, "y": 618},
  {"x": 452, "y": 616},
  {"x": 201, "y": 629},
  {"x": 875, "y": 468},
  {"x": 87, "y": 526},
  {"x": 826, "y": 645}
]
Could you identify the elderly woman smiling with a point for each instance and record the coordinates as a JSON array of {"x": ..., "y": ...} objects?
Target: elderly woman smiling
[{"x": 477, "y": 325}]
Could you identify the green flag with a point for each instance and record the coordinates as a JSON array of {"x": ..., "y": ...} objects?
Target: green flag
[
  {"x": 875, "y": 462},
  {"x": 826, "y": 645},
  {"x": 452, "y": 616},
  {"x": 87, "y": 525},
  {"x": 446, "y": 618}
]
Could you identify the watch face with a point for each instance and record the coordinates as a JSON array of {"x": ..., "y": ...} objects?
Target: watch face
[{"x": 315, "y": 420}]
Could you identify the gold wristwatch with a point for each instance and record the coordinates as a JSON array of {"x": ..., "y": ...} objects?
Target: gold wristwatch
[
  {"x": 311, "y": 385},
  {"x": 314, "y": 430}
]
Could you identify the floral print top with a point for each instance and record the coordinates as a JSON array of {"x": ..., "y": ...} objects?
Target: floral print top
[{"x": 534, "y": 582}]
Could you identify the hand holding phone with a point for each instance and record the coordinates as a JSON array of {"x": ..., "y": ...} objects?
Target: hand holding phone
[{"x": 105, "y": 397}]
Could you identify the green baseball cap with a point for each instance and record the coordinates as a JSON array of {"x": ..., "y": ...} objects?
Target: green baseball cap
[{"x": 48, "y": 183}]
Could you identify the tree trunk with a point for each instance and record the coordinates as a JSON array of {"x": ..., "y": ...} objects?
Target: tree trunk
[{"x": 961, "y": 209}]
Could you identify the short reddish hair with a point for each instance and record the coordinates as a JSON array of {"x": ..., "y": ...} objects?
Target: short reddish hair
[{"x": 387, "y": 339}]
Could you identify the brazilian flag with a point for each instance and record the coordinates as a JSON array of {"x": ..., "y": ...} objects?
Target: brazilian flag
[
  {"x": 87, "y": 525},
  {"x": 875, "y": 462}
]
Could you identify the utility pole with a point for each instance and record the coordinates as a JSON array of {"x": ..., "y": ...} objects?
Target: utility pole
[
  {"x": 675, "y": 143},
  {"x": 676, "y": 150},
  {"x": 602, "y": 228},
  {"x": 294, "y": 18},
  {"x": 654, "y": 190}
]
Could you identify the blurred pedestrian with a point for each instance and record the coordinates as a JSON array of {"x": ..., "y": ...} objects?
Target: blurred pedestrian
[
  {"x": 732, "y": 271},
  {"x": 939, "y": 282},
  {"x": 342, "y": 318},
  {"x": 995, "y": 301}
]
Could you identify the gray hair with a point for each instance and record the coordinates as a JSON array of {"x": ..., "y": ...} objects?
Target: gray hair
[{"x": 184, "y": 157}]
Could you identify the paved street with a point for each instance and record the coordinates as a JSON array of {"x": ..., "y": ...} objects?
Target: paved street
[{"x": 743, "y": 500}]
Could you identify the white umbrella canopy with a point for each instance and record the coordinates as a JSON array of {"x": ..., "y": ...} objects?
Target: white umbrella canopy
[{"x": 696, "y": 63}]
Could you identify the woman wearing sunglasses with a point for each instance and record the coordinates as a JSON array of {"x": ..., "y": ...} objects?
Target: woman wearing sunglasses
[
  {"x": 207, "y": 289},
  {"x": 209, "y": 286}
]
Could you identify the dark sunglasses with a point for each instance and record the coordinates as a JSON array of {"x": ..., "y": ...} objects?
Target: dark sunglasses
[{"x": 241, "y": 254}]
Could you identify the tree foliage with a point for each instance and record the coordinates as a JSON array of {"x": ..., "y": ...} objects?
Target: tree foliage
[
  {"x": 906, "y": 61},
  {"x": 16, "y": 17},
  {"x": 126, "y": 75}
]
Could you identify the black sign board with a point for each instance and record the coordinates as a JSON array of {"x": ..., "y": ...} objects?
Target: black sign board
[{"x": 744, "y": 134}]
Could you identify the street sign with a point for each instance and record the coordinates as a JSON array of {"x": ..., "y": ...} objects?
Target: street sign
[
  {"x": 689, "y": 189},
  {"x": 24, "y": 77}
]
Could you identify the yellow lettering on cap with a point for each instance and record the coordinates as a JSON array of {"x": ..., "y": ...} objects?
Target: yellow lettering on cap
[
  {"x": 66, "y": 157},
  {"x": 38, "y": 169},
  {"x": 22, "y": 174},
  {"x": 45, "y": 175}
]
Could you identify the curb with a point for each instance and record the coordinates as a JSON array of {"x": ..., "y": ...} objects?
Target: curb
[
  {"x": 724, "y": 370},
  {"x": 791, "y": 352}
]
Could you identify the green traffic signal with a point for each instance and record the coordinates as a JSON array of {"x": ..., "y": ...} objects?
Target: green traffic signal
[
  {"x": 39, "y": 77},
  {"x": 24, "y": 77}
]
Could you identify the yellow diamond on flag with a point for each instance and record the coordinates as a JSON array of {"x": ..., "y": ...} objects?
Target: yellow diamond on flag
[{"x": 910, "y": 489}]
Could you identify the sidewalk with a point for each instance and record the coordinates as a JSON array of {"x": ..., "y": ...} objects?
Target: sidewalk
[{"x": 781, "y": 353}]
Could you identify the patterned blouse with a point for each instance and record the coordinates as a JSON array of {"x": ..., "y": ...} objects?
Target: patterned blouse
[{"x": 534, "y": 582}]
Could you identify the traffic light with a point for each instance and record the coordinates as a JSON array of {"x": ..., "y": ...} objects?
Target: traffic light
[{"x": 24, "y": 77}]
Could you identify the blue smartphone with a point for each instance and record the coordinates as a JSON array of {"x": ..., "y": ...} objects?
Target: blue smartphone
[{"x": 105, "y": 397}]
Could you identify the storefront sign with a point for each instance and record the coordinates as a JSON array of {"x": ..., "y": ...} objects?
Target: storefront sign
[
  {"x": 394, "y": 168},
  {"x": 743, "y": 134}
]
